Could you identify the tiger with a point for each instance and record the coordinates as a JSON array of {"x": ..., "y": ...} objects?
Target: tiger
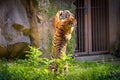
[{"x": 63, "y": 23}]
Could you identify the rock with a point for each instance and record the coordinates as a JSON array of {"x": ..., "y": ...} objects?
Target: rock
[
  {"x": 14, "y": 29},
  {"x": 18, "y": 31},
  {"x": 3, "y": 51},
  {"x": 45, "y": 30}
]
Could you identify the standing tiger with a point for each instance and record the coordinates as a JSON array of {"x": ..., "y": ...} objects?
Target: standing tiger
[{"x": 63, "y": 23}]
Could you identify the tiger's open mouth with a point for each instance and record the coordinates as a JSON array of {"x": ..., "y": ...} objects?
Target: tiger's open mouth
[
  {"x": 67, "y": 18},
  {"x": 64, "y": 14}
]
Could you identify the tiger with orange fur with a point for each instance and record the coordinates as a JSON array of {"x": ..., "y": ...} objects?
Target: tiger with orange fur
[{"x": 63, "y": 22}]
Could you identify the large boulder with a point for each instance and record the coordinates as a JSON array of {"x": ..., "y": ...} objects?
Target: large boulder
[
  {"x": 14, "y": 27},
  {"x": 21, "y": 27}
]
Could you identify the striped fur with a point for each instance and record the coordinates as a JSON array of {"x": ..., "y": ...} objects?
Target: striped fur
[{"x": 63, "y": 22}]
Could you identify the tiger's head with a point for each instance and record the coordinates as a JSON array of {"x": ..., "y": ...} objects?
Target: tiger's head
[{"x": 64, "y": 19}]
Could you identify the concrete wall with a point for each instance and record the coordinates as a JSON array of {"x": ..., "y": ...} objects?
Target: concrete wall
[{"x": 114, "y": 19}]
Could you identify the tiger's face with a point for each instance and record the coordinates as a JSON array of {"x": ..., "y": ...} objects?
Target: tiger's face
[{"x": 64, "y": 19}]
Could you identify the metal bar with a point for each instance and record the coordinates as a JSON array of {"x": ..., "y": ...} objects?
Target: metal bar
[
  {"x": 107, "y": 24},
  {"x": 86, "y": 28},
  {"x": 78, "y": 28},
  {"x": 80, "y": 18},
  {"x": 99, "y": 21},
  {"x": 83, "y": 28},
  {"x": 89, "y": 28},
  {"x": 95, "y": 27},
  {"x": 77, "y": 32},
  {"x": 98, "y": 26},
  {"x": 104, "y": 37},
  {"x": 80, "y": 24}
]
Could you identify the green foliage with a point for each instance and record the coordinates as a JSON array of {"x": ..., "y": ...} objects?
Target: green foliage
[
  {"x": 37, "y": 68},
  {"x": 34, "y": 56},
  {"x": 93, "y": 71},
  {"x": 53, "y": 8},
  {"x": 62, "y": 63},
  {"x": 71, "y": 44},
  {"x": 49, "y": 47}
]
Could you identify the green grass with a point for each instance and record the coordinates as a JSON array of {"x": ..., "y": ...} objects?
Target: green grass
[
  {"x": 21, "y": 70},
  {"x": 94, "y": 71},
  {"x": 37, "y": 68}
]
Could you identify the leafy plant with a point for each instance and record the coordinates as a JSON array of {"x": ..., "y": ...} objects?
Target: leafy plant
[
  {"x": 34, "y": 60},
  {"x": 61, "y": 64},
  {"x": 37, "y": 68},
  {"x": 34, "y": 56}
]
